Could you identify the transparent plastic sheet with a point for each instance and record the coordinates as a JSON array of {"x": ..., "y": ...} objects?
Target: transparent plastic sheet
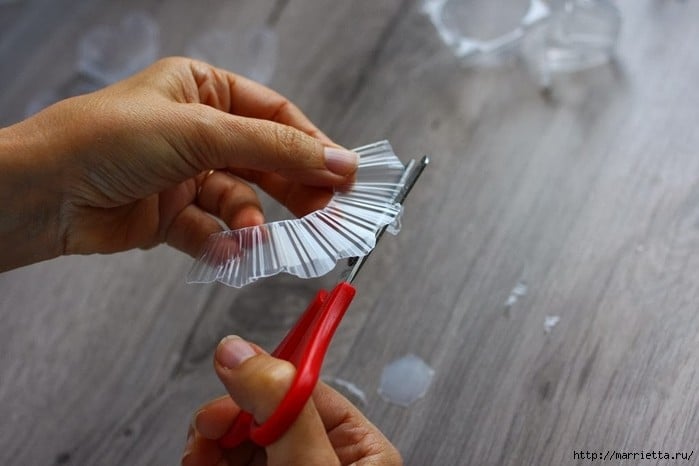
[
  {"x": 348, "y": 389},
  {"x": 310, "y": 246},
  {"x": 479, "y": 32},
  {"x": 550, "y": 36},
  {"x": 580, "y": 34}
]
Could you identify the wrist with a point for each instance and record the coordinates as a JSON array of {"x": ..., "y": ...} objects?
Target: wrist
[{"x": 29, "y": 200}]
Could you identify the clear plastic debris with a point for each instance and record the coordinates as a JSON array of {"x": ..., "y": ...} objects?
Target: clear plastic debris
[
  {"x": 580, "y": 34},
  {"x": 395, "y": 226},
  {"x": 550, "y": 322},
  {"x": 107, "y": 54},
  {"x": 517, "y": 292},
  {"x": 481, "y": 31},
  {"x": 405, "y": 380},
  {"x": 252, "y": 53},
  {"x": 350, "y": 390},
  {"x": 310, "y": 246},
  {"x": 554, "y": 36}
]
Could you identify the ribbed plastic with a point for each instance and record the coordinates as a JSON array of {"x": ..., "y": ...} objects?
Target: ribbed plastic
[{"x": 310, "y": 246}]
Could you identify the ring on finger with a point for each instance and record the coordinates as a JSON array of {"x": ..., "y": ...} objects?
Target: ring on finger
[{"x": 203, "y": 180}]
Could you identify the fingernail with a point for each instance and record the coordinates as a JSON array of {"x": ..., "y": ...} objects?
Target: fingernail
[
  {"x": 187, "y": 449},
  {"x": 190, "y": 440},
  {"x": 233, "y": 351},
  {"x": 341, "y": 161}
]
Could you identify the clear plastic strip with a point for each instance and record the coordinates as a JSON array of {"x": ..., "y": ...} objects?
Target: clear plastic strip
[{"x": 310, "y": 246}]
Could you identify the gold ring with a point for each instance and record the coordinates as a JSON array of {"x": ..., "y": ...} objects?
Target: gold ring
[{"x": 206, "y": 176}]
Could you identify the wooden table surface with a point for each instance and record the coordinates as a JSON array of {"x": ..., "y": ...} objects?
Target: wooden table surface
[{"x": 588, "y": 194}]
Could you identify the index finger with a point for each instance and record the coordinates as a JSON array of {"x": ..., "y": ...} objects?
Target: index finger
[
  {"x": 254, "y": 100},
  {"x": 214, "y": 418},
  {"x": 238, "y": 95},
  {"x": 355, "y": 438}
]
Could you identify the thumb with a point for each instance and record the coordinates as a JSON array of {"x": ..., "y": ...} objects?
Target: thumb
[
  {"x": 216, "y": 139},
  {"x": 257, "y": 382}
]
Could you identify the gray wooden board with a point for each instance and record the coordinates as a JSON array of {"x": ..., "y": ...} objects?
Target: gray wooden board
[{"x": 588, "y": 194}]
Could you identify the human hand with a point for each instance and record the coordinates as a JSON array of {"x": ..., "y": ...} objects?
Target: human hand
[
  {"x": 329, "y": 431},
  {"x": 130, "y": 166}
]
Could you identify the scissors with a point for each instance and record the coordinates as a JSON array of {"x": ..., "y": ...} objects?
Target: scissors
[{"x": 307, "y": 342}]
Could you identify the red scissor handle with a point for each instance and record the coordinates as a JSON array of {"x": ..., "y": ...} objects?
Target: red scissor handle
[{"x": 304, "y": 346}]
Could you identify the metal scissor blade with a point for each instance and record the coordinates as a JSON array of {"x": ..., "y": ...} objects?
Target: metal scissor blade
[{"x": 412, "y": 172}]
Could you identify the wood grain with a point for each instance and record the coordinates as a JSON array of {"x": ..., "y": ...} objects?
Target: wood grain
[{"x": 588, "y": 194}]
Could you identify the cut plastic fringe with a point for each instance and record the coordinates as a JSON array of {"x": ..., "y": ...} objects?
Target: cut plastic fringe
[{"x": 311, "y": 246}]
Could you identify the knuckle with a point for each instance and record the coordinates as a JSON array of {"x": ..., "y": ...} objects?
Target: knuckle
[
  {"x": 276, "y": 373},
  {"x": 273, "y": 379},
  {"x": 171, "y": 62}
]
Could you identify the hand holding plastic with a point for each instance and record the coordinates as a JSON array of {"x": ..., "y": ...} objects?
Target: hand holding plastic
[{"x": 310, "y": 246}]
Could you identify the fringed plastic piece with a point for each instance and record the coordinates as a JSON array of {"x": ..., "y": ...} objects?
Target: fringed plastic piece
[{"x": 310, "y": 246}]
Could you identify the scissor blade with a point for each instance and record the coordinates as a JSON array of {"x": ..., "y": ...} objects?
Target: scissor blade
[{"x": 412, "y": 172}]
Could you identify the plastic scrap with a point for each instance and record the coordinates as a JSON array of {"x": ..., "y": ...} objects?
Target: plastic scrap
[
  {"x": 580, "y": 34},
  {"x": 550, "y": 322},
  {"x": 405, "y": 380},
  {"x": 517, "y": 292},
  {"x": 347, "y": 388},
  {"x": 312, "y": 245},
  {"x": 551, "y": 37},
  {"x": 449, "y": 16}
]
